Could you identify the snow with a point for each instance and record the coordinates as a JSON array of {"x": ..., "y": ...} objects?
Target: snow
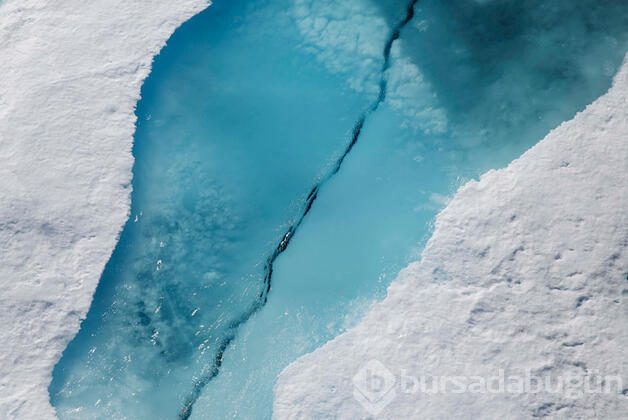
[
  {"x": 71, "y": 73},
  {"x": 527, "y": 269}
]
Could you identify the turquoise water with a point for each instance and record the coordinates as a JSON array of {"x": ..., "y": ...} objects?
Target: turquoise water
[{"x": 252, "y": 105}]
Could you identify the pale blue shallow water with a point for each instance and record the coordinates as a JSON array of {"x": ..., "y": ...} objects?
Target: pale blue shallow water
[{"x": 242, "y": 117}]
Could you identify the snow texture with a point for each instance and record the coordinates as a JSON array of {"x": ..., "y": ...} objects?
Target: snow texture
[
  {"x": 527, "y": 268},
  {"x": 70, "y": 77}
]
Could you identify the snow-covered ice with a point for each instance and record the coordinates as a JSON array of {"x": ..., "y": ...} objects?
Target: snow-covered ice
[
  {"x": 527, "y": 269},
  {"x": 70, "y": 77}
]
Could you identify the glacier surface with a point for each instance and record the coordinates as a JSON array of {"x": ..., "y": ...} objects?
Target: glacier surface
[{"x": 71, "y": 78}]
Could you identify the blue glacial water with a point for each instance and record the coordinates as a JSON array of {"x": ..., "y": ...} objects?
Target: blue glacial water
[{"x": 290, "y": 157}]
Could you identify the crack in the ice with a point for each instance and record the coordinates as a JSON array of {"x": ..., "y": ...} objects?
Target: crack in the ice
[{"x": 262, "y": 298}]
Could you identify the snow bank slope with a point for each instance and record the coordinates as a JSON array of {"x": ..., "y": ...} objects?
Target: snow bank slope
[
  {"x": 70, "y": 76},
  {"x": 526, "y": 269}
]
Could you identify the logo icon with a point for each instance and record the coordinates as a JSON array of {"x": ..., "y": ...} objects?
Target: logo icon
[{"x": 374, "y": 387}]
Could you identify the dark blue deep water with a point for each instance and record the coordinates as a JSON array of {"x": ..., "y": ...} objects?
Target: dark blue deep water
[{"x": 290, "y": 156}]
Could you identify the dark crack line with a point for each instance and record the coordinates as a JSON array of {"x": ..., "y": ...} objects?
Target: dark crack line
[{"x": 262, "y": 298}]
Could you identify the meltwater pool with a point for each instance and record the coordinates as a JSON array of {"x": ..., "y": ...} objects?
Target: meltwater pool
[{"x": 290, "y": 156}]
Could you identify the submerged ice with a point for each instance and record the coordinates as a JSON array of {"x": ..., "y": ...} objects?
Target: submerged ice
[{"x": 251, "y": 106}]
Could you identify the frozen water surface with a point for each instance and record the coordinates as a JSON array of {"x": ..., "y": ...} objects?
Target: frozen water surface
[{"x": 251, "y": 106}]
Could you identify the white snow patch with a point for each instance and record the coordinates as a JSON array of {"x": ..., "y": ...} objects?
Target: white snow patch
[
  {"x": 70, "y": 77},
  {"x": 527, "y": 269}
]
